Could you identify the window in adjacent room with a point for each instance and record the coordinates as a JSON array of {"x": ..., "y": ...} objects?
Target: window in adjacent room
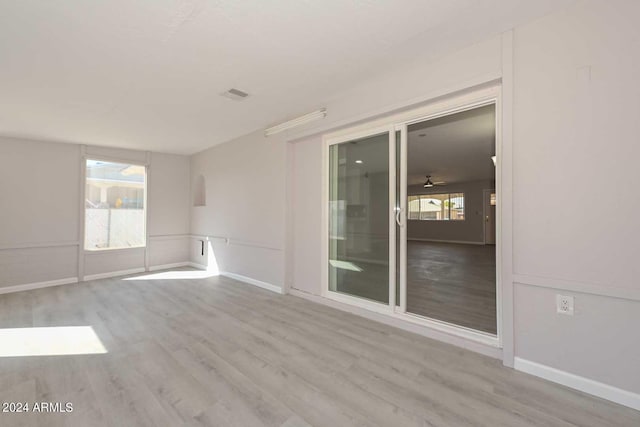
[
  {"x": 437, "y": 207},
  {"x": 115, "y": 203}
]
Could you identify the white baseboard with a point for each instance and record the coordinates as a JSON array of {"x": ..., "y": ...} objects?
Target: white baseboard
[
  {"x": 196, "y": 265},
  {"x": 602, "y": 390},
  {"x": 38, "y": 285},
  {"x": 254, "y": 282},
  {"x": 113, "y": 274},
  {"x": 168, "y": 266},
  {"x": 460, "y": 242},
  {"x": 425, "y": 331}
]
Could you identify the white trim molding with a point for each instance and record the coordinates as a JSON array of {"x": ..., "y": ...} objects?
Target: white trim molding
[
  {"x": 504, "y": 211},
  {"x": 596, "y": 388},
  {"x": 170, "y": 236},
  {"x": 600, "y": 289},
  {"x": 254, "y": 282},
  {"x": 235, "y": 242},
  {"x": 196, "y": 265},
  {"x": 168, "y": 266},
  {"x": 114, "y": 274},
  {"x": 39, "y": 245},
  {"x": 38, "y": 285}
]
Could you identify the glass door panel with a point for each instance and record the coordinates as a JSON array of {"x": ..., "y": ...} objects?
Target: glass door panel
[
  {"x": 398, "y": 212},
  {"x": 359, "y": 218},
  {"x": 447, "y": 249}
]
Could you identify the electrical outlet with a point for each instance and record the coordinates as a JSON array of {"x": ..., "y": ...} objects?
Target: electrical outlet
[{"x": 564, "y": 304}]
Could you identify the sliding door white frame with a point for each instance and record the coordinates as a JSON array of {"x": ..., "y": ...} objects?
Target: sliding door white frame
[
  {"x": 392, "y": 218},
  {"x": 400, "y": 122},
  {"x": 475, "y": 335},
  {"x": 402, "y": 219},
  {"x": 326, "y": 179}
]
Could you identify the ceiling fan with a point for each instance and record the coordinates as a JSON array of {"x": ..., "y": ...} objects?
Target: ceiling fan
[{"x": 429, "y": 183}]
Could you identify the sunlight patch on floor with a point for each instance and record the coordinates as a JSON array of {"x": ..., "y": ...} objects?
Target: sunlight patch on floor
[{"x": 50, "y": 341}]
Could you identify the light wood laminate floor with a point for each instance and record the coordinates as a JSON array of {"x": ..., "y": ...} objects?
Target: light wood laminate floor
[{"x": 219, "y": 352}]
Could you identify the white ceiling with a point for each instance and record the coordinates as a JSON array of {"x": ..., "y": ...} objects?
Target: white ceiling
[
  {"x": 147, "y": 74},
  {"x": 455, "y": 148}
]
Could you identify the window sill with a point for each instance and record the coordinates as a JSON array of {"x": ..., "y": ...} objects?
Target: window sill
[{"x": 110, "y": 250}]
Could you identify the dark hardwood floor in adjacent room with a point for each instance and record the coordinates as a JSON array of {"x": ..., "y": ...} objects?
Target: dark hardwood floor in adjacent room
[
  {"x": 455, "y": 283},
  {"x": 216, "y": 352}
]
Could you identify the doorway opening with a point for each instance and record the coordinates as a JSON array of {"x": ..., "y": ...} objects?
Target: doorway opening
[
  {"x": 411, "y": 217},
  {"x": 451, "y": 227}
]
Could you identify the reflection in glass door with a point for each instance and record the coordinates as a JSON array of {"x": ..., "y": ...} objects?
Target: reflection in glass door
[{"x": 359, "y": 218}]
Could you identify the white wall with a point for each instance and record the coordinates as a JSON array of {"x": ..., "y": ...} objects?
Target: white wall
[
  {"x": 306, "y": 222},
  {"x": 245, "y": 195},
  {"x": 413, "y": 82},
  {"x": 28, "y": 192},
  {"x": 573, "y": 137},
  {"x": 576, "y": 146},
  {"x": 169, "y": 215},
  {"x": 247, "y": 191},
  {"x": 395, "y": 88},
  {"x": 39, "y": 207},
  {"x": 40, "y": 221}
]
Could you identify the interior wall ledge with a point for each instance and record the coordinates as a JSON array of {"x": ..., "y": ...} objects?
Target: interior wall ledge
[{"x": 599, "y": 289}]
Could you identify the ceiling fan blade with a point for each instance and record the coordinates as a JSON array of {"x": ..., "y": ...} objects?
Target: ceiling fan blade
[{"x": 440, "y": 183}]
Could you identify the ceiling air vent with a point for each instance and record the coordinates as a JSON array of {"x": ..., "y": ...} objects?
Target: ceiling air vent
[{"x": 235, "y": 94}]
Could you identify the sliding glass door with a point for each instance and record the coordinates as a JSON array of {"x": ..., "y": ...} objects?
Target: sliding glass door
[
  {"x": 447, "y": 252},
  {"x": 361, "y": 239},
  {"x": 405, "y": 226}
]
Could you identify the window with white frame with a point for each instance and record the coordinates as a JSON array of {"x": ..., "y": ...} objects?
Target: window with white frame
[
  {"x": 436, "y": 207},
  {"x": 115, "y": 199}
]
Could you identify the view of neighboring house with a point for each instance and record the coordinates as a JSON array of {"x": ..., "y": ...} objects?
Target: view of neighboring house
[{"x": 114, "y": 205}]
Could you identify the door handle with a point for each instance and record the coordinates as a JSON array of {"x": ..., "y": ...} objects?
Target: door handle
[{"x": 398, "y": 212}]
